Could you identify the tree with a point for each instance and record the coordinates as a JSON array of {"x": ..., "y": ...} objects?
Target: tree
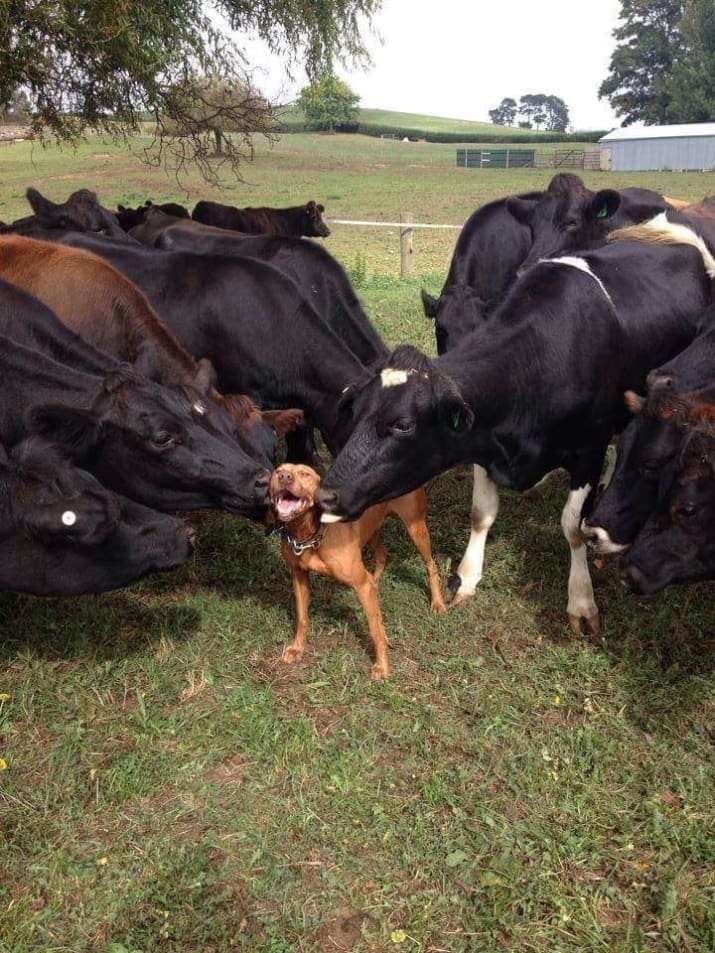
[
  {"x": 17, "y": 107},
  {"x": 328, "y": 102},
  {"x": 209, "y": 104},
  {"x": 505, "y": 112},
  {"x": 649, "y": 43},
  {"x": 93, "y": 65},
  {"x": 691, "y": 83},
  {"x": 527, "y": 108},
  {"x": 557, "y": 114}
]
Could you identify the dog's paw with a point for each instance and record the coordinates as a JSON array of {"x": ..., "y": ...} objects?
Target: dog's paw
[
  {"x": 380, "y": 671},
  {"x": 292, "y": 654},
  {"x": 437, "y": 605}
]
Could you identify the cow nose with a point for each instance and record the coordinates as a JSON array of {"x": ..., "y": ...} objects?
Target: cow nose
[
  {"x": 633, "y": 579},
  {"x": 328, "y": 499},
  {"x": 590, "y": 534},
  {"x": 285, "y": 476},
  {"x": 260, "y": 484}
]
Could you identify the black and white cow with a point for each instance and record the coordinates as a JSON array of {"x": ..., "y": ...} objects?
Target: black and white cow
[{"x": 537, "y": 387}]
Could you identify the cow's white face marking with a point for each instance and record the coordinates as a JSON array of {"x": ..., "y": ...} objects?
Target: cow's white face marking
[
  {"x": 69, "y": 517},
  {"x": 199, "y": 408},
  {"x": 573, "y": 262},
  {"x": 599, "y": 540},
  {"x": 391, "y": 377}
]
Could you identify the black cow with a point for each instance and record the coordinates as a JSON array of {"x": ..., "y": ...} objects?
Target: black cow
[
  {"x": 81, "y": 212},
  {"x": 491, "y": 247},
  {"x": 321, "y": 278},
  {"x": 63, "y": 533},
  {"x": 262, "y": 335},
  {"x": 294, "y": 222},
  {"x": 538, "y": 386},
  {"x": 677, "y": 543},
  {"x": 649, "y": 443},
  {"x": 137, "y": 437},
  {"x": 569, "y": 217},
  {"x": 129, "y": 218}
]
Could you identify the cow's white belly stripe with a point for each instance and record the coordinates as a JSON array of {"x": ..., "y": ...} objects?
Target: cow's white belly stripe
[{"x": 582, "y": 265}]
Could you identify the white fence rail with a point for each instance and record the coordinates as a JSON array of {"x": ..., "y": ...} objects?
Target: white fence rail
[{"x": 406, "y": 226}]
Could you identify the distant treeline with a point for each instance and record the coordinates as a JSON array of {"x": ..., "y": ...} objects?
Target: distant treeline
[{"x": 402, "y": 132}]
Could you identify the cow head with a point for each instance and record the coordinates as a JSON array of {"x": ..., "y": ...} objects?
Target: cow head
[
  {"x": 645, "y": 450},
  {"x": 677, "y": 544},
  {"x": 63, "y": 533},
  {"x": 314, "y": 224},
  {"x": 153, "y": 444},
  {"x": 81, "y": 212},
  {"x": 407, "y": 419},
  {"x": 557, "y": 218},
  {"x": 455, "y": 313}
]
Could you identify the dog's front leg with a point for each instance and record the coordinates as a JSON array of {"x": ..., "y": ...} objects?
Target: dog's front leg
[
  {"x": 366, "y": 589},
  {"x": 301, "y": 591}
]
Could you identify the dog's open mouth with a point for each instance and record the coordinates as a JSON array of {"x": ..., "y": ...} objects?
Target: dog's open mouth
[{"x": 288, "y": 506}]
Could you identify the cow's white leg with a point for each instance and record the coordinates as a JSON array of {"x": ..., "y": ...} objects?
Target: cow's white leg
[
  {"x": 582, "y": 609},
  {"x": 485, "y": 506}
]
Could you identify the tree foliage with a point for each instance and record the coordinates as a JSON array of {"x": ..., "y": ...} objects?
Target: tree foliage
[
  {"x": 90, "y": 64},
  {"x": 691, "y": 83},
  {"x": 663, "y": 67},
  {"x": 328, "y": 102},
  {"x": 540, "y": 109},
  {"x": 505, "y": 112}
]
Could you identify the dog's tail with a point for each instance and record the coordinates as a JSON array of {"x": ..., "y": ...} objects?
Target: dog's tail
[{"x": 660, "y": 231}]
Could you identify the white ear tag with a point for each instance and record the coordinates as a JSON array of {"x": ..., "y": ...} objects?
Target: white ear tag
[
  {"x": 69, "y": 517},
  {"x": 199, "y": 408}
]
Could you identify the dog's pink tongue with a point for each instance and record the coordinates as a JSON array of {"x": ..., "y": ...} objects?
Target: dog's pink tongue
[{"x": 286, "y": 507}]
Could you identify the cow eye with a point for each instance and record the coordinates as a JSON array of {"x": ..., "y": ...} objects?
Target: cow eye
[
  {"x": 571, "y": 223},
  {"x": 687, "y": 510},
  {"x": 402, "y": 427},
  {"x": 163, "y": 440}
]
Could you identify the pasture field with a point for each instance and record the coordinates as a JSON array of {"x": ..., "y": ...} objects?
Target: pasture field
[{"x": 168, "y": 785}]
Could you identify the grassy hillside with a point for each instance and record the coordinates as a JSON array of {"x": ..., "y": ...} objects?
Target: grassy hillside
[{"x": 390, "y": 118}]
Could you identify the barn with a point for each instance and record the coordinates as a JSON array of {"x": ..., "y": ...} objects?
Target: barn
[{"x": 679, "y": 147}]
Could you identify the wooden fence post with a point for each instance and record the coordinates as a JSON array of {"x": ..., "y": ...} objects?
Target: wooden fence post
[{"x": 406, "y": 244}]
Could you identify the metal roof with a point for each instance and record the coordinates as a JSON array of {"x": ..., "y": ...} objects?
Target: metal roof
[{"x": 680, "y": 131}]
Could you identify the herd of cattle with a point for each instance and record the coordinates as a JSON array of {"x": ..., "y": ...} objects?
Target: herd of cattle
[{"x": 150, "y": 356}]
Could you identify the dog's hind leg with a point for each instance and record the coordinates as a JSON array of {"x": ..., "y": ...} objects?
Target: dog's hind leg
[
  {"x": 366, "y": 589},
  {"x": 301, "y": 590},
  {"x": 412, "y": 510}
]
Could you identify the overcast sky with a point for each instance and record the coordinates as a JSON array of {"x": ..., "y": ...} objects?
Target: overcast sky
[{"x": 459, "y": 59}]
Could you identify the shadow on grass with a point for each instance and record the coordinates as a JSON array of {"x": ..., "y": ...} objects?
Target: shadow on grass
[{"x": 106, "y": 627}]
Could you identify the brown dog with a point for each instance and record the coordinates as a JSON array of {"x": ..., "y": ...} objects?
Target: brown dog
[{"x": 336, "y": 550}]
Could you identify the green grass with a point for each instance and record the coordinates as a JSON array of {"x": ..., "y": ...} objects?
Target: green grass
[{"x": 172, "y": 786}]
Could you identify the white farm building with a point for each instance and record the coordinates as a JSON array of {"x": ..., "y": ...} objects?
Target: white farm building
[{"x": 687, "y": 146}]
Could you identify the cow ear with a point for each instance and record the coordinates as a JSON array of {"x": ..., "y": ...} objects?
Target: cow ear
[
  {"x": 206, "y": 376},
  {"x": 121, "y": 208},
  {"x": 311, "y": 206},
  {"x": 321, "y": 208},
  {"x": 429, "y": 304},
  {"x": 455, "y": 415},
  {"x": 42, "y": 207},
  {"x": 75, "y": 431},
  {"x": 604, "y": 204},
  {"x": 521, "y": 209},
  {"x": 283, "y": 421},
  {"x": 148, "y": 203},
  {"x": 634, "y": 402}
]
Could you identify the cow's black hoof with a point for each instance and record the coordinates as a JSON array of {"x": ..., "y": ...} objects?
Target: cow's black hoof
[{"x": 453, "y": 584}]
